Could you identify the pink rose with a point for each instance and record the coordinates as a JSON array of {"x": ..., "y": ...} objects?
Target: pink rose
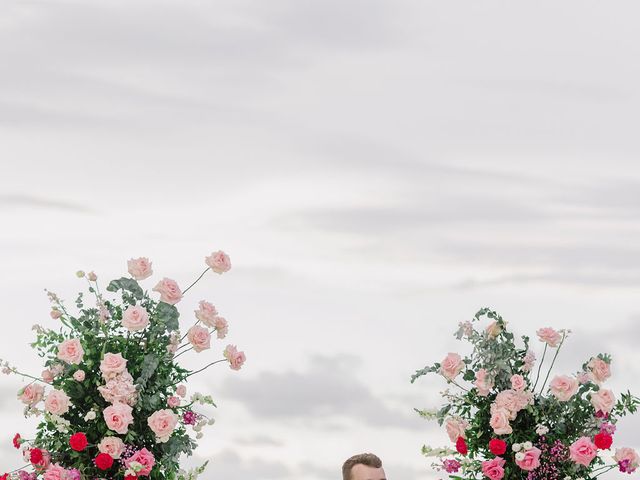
[
  {"x": 47, "y": 376},
  {"x": 494, "y": 329},
  {"x": 57, "y": 402},
  {"x": 31, "y": 394},
  {"x": 169, "y": 291},
  {"x": 603, "y": 400},
  {"x": 181, "y": 391},
  {"x": 500, "y": 421},
  {"x": 162, "y": 423},
  {"x": 529, "y": 360},
  {"x": 55, "y": 472},
  {"x": 456, "y": 427},
  {"x": 494, "y": 469},
  {"x": 451, "y": 366},
  {"x": 118, "y": 417},
  {"x": 222, "y": 327},
  {"x": 583, "y": 378},
  {"x": 630, "y": 455},
  {"x": 510, "y": 401},
  {"x": 173, "y": 401},
  {"x": 71, "y": 351},
  {"x": 56, "y": 370},
  {"x": 563, "y": 387},
  {"x": 199, "y": 337},
  {"x": 483, "y": 385},
  {"x": 599, "y": 370},
  {"x": 79, "y": 376},
  {"x": 236, "y": 358},
  {"x": 92, "y": 277},
  {"x": 120, "y": 389},
  {"x": 111, "y": 446},
  {"x": 112, "y": 364},
  {"x": 135, "y": 319},
  {"x": 517, "y": 382},
  {"x": 219, "y": 262},
  {"x": 549, "y": 336},
  {"x": 206, "y": 313},
  {"x": 530, "y": 459},
  {"x": 140, "y": 268},
  {"x": 144, "y": 458},
  {"x": 55, "y": 314},
  {"x": 583, "y": 451}
]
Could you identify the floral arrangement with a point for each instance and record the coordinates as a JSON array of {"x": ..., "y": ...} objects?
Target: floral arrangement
[
  {"x": 508, "y": 420},
  {"x": 112, "y": 399}
]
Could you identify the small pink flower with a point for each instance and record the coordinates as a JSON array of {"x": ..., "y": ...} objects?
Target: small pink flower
[
  {"x": 219, "y": 262},
  {"x": 583, "y": 451},
  {"x": 517, "y": 382},
  {"x": 32, "y": 394},
  {"x": 79, "y": 376},
  {"x": 598, "y": 370},
  {"x": 181, "y": 391},
  {"x": 236, "y": 358},
  {"x": 47, "y": 376},
  {"x": 169, "y": 291},
  {"x": 483, "y": 384},
  {"x": 199, "y": 337},
  {"x": 451, "y": 366},
  {"x": 143, "y": 458},
  {"x": 71, "y": 351},
  {"x": 206, "y": 313},
  {"x": 92, "y": 276},
  {"x": 628, "y": 457},
  {"x": 494, "y": 469},
  {"x": 222, "y": 327},
  {"x": 456, "y": 427},
  {"x": 549, "y": 336},
  {"x": 55, "y": 314},
  {"x": 563, "y": 387},
  {"x": 112, "y": 364},
  {"x": 603, "y": 400},
  {"x": 529, "y": 360},
  {"x": 162, "y": 423},
  {"x": 530, "y": 459},
  {"x": 583, "y": 377},
  {"x": 55, "y": 472},
  {"x": 173, "y": 401},
  {"x": 57, "y": 402},
  {"x": 140, "y": 268},
  {"x": 118, "y": 417},
  {"x": 111, "y": 446},
  {"x": 135, "y": 318}
]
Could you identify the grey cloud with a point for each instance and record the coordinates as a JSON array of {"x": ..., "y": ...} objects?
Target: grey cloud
[
  {"x": 29, "y": 201},
  {"x": 259, "y": 441},
  {"x": 328, "y": 391},
  {"x": 228, "y": 464}
]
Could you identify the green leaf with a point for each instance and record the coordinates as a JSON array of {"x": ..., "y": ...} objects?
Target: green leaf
[
  {"x": 149, "y": 366},
  {"x": 127, "y": 285},
  {"x": 168, "y": 315}
]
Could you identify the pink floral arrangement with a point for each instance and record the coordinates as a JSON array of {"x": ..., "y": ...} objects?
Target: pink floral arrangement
[
  {"x": 112, "y": 398},
  {"x": 508, "y": 418}
]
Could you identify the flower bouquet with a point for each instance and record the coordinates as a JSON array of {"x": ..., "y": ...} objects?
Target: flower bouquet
[
  {"x": 508, "y": 419},
  {"x": 112, "y": 399}
]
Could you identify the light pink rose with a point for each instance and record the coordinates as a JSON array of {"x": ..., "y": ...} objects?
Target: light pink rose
[
  {"x": 583, "y": 451},
  {"x": 55, "y": 472},
  {"x": 530, "y": 460},
  {"x": 219, "y": 262},
  {"x": 529, "y": 360},
  {"x": 56, "y": 370},
  {"x": 517, "y": 382},
  {"x": 206, "y": 313},
  {"x": 222, "y": 327},
  {"x": 510, "y": 401},
  {"x": 483, "y": 385},
  {"x": 494, "y": 329},
  {"x": 140, "y": 268},
  {"x": 120, "y": 389},
  {"x": 112, "y": 364},
  {"x": 494, "y": 469},
  {"x": 626, "y": 453},
  {"x": 199, "y": 337},
  {"x": 79, "y": 376},
  {"x": 169, "y": 291},
  {"x": 144, "y": 458},
  {"x": 135, "y": 319},
  {"x": 162, "y": 423},
  {"x": 451, "y": 366},
  {"x": 500, "y": 421},
  {"x": 55, "y": 314},
  {"x": 181, "y": 391},
  {"x": 549, "y": 336},
  {"x": 47, "y": 376},
  {"x": 583, "y": 377},
  {"x": 236, "y": 358},
  {"x": 111, "y": 446},
  {"x": 118, "y": 417},
  {"x": 71, "y": 351},
  {"x": 563, "y": 387},
  {"x": 456, "y": 427},
  {"x": 599, "y": 370},
  {"x": 32, "y": 394},
  {"x": 57, "y": 402},
  {"x": 603, "y": 400},
  {"x": 92, "y": 277},
  {"x": 173, "y": 401}
]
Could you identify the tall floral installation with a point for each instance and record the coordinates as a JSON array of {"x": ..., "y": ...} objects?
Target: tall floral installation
[
  {"x": 113, "y": 399},
  {"x": 508, "y": 418}
]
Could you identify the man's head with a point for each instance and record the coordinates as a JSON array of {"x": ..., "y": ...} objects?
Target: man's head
[{"x": 365, "y": 466}]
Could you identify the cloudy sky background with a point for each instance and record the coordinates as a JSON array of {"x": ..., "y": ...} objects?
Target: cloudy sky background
[{"x": 377, "y": 171}]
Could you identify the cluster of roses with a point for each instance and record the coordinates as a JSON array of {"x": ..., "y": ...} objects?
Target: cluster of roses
[
  {"x": 119, "y": 388},
  {"x": 509, "y": 402}
]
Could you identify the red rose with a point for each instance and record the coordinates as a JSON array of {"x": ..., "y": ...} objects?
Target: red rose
[
  {"x": 603, "y": 441},
  {"x": 4, "y": 477},
  {"x": 461, "y": 446},
  {"x": 103, "y": 461},
  {"x": 17, "y": 440},
  {"x": 497, "y": 446},
  {"x": 35, "y": 456},
  {"x": 130, "y": 477},
  {"x": 78, "y": 441}
]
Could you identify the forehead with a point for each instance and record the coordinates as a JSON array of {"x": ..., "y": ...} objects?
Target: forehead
[{"x": 363, "y": 472}]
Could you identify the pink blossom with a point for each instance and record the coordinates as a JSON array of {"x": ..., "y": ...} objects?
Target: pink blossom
[
  {"x": 112, "y": 364},
  {"x": 169, "y": 291},
  {"x": 31, "y": 394},
  {"x": 494, "y": 329},
  {"x": 143, "y": 458},
  {"x": 135, "y": 318},
  {"x": 222, "y": 327},
  {"x": 140, "y": 268},
  {"x": 563, "y": 387},
  {"x": 549, "y": 336},
  {"x": 628, "y": 458},
  {"x": 55, "y": 314},
  {"x": 181, "y": 391},
  {"x": 199, "y": 337},
  {"x": 494, "y": 469},
  {"x": 162, "y": 423},
  {"x": 583, "y": 451},
  {"x": 236, "y": 358},
  {"x": 456, "y": 427},
  {"x": 173, "y": 401},
  {"x": 55, "y": 472},
  {"x": 71, "y": 351},
  {"x": 57, "y": 402},
  {"x": 482, "y": 383},
  {"x": 47, "y": 376},
  {"x": 598, "y": 370},
  {"x": 79, "y": 375},
  {"x": 500, "y": 421},
  {"x": 206, "y": 313},
  {"x": 529, "y": 360},
  {"x": 451, "y": 366},
  {"x": 113, "y": 446},
  {"x": 603, "y": 400},
  {"x": 120, "y": 389},
  {"x": 517, "y": 382},
  {"x": 118, "y": 417},
  {"x": 530, "y": 459},
  {"x": 219, "y": 262}
]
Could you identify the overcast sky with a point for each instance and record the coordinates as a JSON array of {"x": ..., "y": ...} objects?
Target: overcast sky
[{"x": 378, "y": 170}]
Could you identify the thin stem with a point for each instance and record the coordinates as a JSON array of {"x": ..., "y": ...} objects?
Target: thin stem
[
  {"x": 185, "y": 335},
  {"x": 456, "y": 384},
  {"x": 196, "y": 281},
  {"x": 540, "y": 366},
  {"x": 29, "y": 376},
  {"x": 184, "y": 351},
  {"x": 564, "y": 335},
  {"x": 204, "y": 368},
  {"x": 18, "y": 469}
]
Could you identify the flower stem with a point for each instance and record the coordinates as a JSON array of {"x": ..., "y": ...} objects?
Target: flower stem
[
  {"x": 204, "y": 368},
  {"x": 540, "y": 366},
  {"x": 564, "y": 335},
  {"x": 196, "y": 281}
]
